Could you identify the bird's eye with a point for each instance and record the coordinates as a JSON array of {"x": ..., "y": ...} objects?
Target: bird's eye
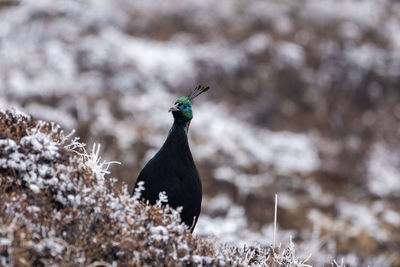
[{"x": 184, "y": 107}]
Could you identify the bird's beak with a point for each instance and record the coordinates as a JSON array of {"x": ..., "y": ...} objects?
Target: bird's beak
[{"x": 174, "y": 108}]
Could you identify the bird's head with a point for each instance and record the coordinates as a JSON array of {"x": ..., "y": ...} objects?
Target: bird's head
[{"x": 182, "y": 109}]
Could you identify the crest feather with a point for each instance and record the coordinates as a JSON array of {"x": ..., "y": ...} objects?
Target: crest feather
[{"x": 198, "y": 91}]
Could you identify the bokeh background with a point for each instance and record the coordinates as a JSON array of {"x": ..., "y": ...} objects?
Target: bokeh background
[{"x": 305, "y": 103}]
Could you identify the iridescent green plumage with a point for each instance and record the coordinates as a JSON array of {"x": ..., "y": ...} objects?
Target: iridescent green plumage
[{"x": 185, "y": 106}]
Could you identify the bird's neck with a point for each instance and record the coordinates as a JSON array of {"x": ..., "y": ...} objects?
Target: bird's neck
[
  {"x": 177, "y": 142},
  {"x": 179, "y": 125},
  {"x": 178, "y": 132}
]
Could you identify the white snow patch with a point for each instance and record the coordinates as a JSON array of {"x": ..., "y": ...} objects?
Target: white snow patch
[
  {"x": 383, "y": 166},
  {"x": 362, "y": 218},
  {"x": 221, "y": 202},
  {"x": 34, "y": 188},
  {"x": 246, "y": 144},
  {"x": 290, "y": 53},
  {"x": 392, "y": 217},
  {"x": 257, "y": 43},
  {"x": 159, "y": 233}
]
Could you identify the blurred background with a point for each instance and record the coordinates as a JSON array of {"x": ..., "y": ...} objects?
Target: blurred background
[{"x": 304, "y": 103}]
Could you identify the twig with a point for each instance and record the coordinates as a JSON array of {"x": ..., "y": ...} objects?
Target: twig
[{"x": 275, "y": 217}]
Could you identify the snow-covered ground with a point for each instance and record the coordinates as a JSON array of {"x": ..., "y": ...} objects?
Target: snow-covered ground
[{"x": 303, "y": 103}]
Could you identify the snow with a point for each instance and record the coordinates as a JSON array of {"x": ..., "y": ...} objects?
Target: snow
[
  {"x": 365, "y": 12},
  {"x": 55, "y": 245},
  {"x": 7, "y": 144},
  {"x": 383, "y": 171},
  {"x": 51, "y": 114},
  {"x": 245, "y": 183},
  {"x": 246, "y": 144},
  {"x": 392, "y": 217},
  {"x": 350, "y": 30},
  {"x": 257, "y": 43},
  {"x": 157, "y": 59},
  {"x": 159, "y": 233},
  {"x": 366, "y": 56},
  {"x": 230, "y": 229},
  {"x": 365, "y": 219},
  {"x": 291, "y": 53},
  {"x": 221, "y": 202},
  {"x": 34, "y": 188}
]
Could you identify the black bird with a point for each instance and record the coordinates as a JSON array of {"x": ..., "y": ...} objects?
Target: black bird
[{"x": 172, "y": 168}]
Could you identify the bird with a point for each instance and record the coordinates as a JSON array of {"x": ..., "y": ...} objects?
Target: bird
[{"x": 172, "y": 169}]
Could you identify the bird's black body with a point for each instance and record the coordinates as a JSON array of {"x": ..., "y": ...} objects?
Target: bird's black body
[{"x": 173, "y": 170}]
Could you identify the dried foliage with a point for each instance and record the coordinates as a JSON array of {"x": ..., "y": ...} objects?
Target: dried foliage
[{"x": 57, "y": 208}]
